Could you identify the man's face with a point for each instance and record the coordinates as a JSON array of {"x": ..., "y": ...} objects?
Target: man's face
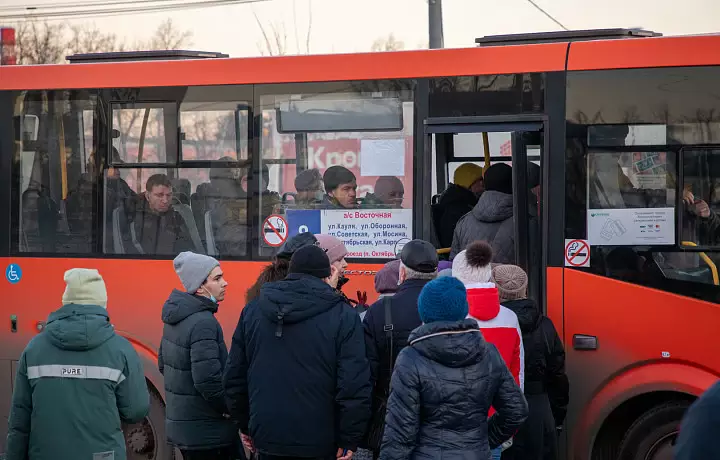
[
  {"x": 214, "y": 285},
  {"x": 160, "y": 198},
  {"x": 341, "y": 265},
  {"x": 314, "y": 193},
  {"x": 393, "y": 198},
  {"x": 346, "y": 194}
]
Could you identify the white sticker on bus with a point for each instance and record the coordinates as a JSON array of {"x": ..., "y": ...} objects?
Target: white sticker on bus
[{"x": 627, "y": 227}]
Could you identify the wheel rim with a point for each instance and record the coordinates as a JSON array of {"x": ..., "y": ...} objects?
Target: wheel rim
[
  {"x": 140, "y": 440},
  {"x": 662, "y": 449}
]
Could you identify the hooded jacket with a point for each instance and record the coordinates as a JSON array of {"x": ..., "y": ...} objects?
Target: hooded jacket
[
  {"x": 297, "y": 378},
  {"x": 499, "y": 326},
  {"x": 76, "y": 382},
  {"x": 490, "y": 220},
  {"x": 455, "y": 202},
  {"x": 544, "y": 357},
  {"x": 442, "y": 388},
  {"x": 192, "y": 359}
]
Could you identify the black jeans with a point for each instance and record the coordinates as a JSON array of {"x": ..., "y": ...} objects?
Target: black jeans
[{"x": 223, "y": 453}]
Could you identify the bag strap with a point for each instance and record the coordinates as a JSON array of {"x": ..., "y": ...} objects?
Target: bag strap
[{"x": 388, "y": 328}]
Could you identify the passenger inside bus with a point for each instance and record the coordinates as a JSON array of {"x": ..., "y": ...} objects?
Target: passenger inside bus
[
  {"x": 458, "y": 199},
  {"x": 340, "y": 188},
  {"x": 154, "y": 227},
  {"x": 491, "y": 218},
  {"x": 389, "y": 193},
  {"x": 309, "y": 186}
]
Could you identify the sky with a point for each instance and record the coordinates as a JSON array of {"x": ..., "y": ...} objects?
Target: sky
[{"x": 342, "y": 26}]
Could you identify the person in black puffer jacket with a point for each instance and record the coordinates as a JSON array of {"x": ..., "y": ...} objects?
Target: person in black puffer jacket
[
  {"x": 297, "y": 378},
  {"x": 192, "y": 357},
  {"x": 546, "y": 384},
  {"x": 444, "y": 384}
]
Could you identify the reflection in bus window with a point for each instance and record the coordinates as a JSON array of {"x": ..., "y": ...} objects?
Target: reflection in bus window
[
  {"x": 56, "y": 174},
  {"x": 346, "y": 172},
  {"x": 142, "y": 132}
]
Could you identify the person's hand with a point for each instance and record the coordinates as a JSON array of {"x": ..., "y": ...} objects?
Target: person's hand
[
  {"x": 688, "y": 197},
  {"x": 344, "y": 454},
  {"x": 334, "y": 276},
  {"x": 701, "y": 209},
  {"x": 247, "y": 442},
  {"x": 362, "y": 297}
]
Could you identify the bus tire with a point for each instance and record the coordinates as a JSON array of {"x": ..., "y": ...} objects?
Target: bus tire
[
  {"x": 652, "y": 435},
  {"x": 146, "y": 440}
]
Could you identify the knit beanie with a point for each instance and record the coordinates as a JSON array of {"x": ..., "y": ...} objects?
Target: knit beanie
[
  {"x": 498, "y": 177},
  {"x": 333, "y": 247},
  {"x": 443, "y": 299},
  {"x": 295, "y": 243},
  {"x": 310, "y": 260},
  {"x": 511, "y": 282},
  {"x": 466, "y": 174},
  {"x": 386, "y": 279},
  {"x": 193, "y": 269},
  {"x": 84, "y": 286},
  {"x": 473, "y": 264}
]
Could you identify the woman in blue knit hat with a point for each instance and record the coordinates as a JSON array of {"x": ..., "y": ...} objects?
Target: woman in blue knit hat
[{"x": 444, "y": 383}]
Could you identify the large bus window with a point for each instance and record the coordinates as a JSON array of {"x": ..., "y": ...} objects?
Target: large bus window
[
  {"x": 701, "y": 197},
  {"x": 338, "y": 162},
  {"x": 55, "y": 173}
]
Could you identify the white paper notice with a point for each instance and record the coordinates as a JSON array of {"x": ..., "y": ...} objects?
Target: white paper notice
[
  {"x": 627, "y": 227},
  {"x": 382, "y": 157},
  {"x": 369, "y": 233}
]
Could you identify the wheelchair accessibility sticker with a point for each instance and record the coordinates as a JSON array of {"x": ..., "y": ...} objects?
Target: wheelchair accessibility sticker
[{"x": 13, "y": 273}]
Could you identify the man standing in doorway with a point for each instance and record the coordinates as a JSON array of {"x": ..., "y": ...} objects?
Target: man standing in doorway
[{"x": 192, "y": 359}]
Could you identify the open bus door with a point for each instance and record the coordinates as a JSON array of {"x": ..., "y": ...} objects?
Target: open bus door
[{"x": 512, "y": 140}]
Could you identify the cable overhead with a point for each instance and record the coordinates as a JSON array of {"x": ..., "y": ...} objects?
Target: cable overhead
[
  {"x": 105, "y": 12},
  {"x": 95, "y": 3},
  {"x": 548, "y": 15}
]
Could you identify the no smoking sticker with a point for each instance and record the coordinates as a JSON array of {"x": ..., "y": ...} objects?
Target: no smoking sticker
[
  {"x": 577, "y": 253},
  {"x": 275, "y": 231}
]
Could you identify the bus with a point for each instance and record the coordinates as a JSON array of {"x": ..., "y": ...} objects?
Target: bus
[{"x": 621, "y": 255}]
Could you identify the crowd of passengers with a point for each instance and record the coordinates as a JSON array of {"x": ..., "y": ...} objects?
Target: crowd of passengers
[{"x": 167, "y": 218}]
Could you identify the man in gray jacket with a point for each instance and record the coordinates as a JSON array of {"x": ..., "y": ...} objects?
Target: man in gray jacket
[{"x": 491, "y": 219}]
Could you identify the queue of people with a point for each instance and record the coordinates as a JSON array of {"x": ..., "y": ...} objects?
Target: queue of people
[{"x": 430, "y": 370}]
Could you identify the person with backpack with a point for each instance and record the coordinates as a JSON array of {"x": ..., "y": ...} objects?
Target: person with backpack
[{"x": 546, "y": 385}]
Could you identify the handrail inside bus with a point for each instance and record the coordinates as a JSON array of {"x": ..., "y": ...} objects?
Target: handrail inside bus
[
  {"x": 486, "y": 147},
  {"x": 708, "y": 261},
  {"x": 441, "y": 251}
]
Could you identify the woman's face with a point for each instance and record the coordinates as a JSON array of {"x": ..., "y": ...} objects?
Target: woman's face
[{"x": 340, "y": 265}]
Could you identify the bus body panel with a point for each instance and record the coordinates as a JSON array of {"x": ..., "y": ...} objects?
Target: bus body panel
[
  {"x": 317, "y": 68},
  {"x": 648, "y": 340},
  {"x": 698, "y": 50}
]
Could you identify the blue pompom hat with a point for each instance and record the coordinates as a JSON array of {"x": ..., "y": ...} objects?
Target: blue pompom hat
[{"x": 443, "y": 299}]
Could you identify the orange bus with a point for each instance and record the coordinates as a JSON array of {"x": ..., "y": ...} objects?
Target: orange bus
[{"x": 624, "y": 124}]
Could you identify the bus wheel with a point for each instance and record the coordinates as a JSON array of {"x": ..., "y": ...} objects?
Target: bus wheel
[
  {"x": 146, "y": 440},
  {"x": 653, "y": 434}
]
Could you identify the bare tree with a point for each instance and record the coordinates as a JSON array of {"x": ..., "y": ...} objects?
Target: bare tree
[
  {"x": 49, "y": 43},
  {"x": 275, "y": 37},
  {"x": 389, "y": 43},
  {"x": 39, "y": 43}
]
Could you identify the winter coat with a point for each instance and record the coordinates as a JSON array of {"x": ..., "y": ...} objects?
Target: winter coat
[
  {"x": 454, "y": 203},
  {"x": 297, "y": 378},
  {"x": 544, "y": 356},
  {"x": 699, "y": 428},
  {"x": 499, "y": 326},
  {"x": 442, "y": 388},
  {"x": 192, "y": 359},
  {"x": 490, "y": 220},
  {"x": 160, "y": 234},
  {"x": 405, "y": 319},
  {"x": 76, "y": 382},
  {"x": 546, "y": 385}
]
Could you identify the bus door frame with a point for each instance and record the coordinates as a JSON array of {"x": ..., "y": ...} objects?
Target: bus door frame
[{"x": 518, "y": 126}]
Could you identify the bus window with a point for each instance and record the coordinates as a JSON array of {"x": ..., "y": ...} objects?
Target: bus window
[
  {"x": 56, "y": 175},
  {"x": 142, "y": 134},
  {"x": 701, "y": 197},
  {"x": 338, "y": 162}
]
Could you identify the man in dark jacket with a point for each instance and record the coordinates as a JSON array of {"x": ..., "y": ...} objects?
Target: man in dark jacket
[
  {"x": 297, "y": 378},
  {"x": 699, "y": 428},
  {"x": 76, "y": 381},
  {"x": 444, "y": 384},
  {"x": 418, "y": 265},
  {"x": 546, "y": 384},
  {"x": 491, "y": 218},
  {"x": 192, "y": 358},
  {"x": 458, "y": 199}
]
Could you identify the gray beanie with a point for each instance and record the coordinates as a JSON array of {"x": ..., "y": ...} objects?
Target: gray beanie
[{"x": 193, "y": 269}]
